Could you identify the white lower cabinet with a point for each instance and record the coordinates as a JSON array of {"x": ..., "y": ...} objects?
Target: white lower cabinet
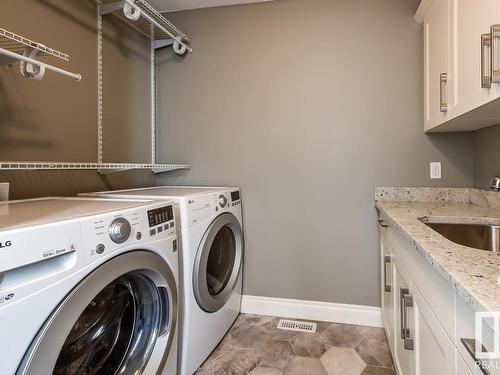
[
  {"x": 419, "y": 343},
  {"x": 434, "y": 351}
]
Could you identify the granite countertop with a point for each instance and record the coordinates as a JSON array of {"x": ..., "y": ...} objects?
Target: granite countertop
[{"x": 473, "y": 273}]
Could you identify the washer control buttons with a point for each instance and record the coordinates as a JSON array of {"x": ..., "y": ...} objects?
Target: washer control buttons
[
  {"x": 99, "y": 249},
  {"x": 152, "y": 232},
  {"x": 119, "y": 230},
  {"x": 222, "y": 201},
  {"x": 138, "y": 236}
]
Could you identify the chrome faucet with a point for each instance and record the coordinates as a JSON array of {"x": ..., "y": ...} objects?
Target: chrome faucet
[{"x": 495, "y": 183}]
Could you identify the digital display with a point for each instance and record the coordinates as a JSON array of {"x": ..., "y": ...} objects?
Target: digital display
[
  {"x": 160, "y": 215},
  {"x": 235, "y": 195}
]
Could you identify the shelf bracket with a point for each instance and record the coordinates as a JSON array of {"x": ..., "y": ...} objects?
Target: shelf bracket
[
  {"x": 111, "y": 7},
  {"x": 162, "y": 43},
  {"x": 29, "y": 70}
]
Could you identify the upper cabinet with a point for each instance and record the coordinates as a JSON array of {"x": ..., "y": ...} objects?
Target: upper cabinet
[{"x": 461, "y": 64}]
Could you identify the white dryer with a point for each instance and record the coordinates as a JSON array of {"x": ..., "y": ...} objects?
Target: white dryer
[
  {"x": 211, "y": 258},
  {"x": 86, "y": 288}
]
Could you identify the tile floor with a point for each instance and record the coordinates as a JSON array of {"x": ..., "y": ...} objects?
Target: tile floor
[{"x": 255, "y": 346}]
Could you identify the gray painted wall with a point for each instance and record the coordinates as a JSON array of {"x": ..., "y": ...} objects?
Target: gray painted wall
[
  {"x": 486, "y": 156},
  {"x": 307, "y": 105}
]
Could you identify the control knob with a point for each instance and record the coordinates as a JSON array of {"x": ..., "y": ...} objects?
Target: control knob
[
  {"x": 119, "y": 230},
  {"x": 222, "y": 201}
]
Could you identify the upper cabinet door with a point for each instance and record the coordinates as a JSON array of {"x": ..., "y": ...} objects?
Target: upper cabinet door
[
  {"x": 436, "y": 63},
  {"x": 462, "y": 80},
  {"x": 471, "y": 47}
]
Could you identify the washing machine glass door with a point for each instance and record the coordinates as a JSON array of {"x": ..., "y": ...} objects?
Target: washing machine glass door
[
  {"x": 218, "y": 262},
  {"x": 111, "y": 323}
]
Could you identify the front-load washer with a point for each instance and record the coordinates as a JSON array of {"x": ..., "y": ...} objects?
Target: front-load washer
[
  {"x": 88, "y": 286},
  {"x": 211, "y": 258}
]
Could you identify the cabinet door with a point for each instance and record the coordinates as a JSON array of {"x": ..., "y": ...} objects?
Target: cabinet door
[
  {"x": 434, "y": 351},
  {"x": 403, "y": 357},
  {"x": 471, "y": 19},
  {"x": 436, "y": 64},
  {"x": 387, "y": 287}
]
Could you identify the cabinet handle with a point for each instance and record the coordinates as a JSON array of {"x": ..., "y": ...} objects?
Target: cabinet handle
[
  {"x": 470, "y": 344},
  {"x": 443, "y": 105},
  {"x": 408, "y": 340},
  {"x": 387, "y": 260},
  {"x": 495, "y": 53},
  {"x": 486, "y": 61},
  {"x": 402, "y": 311},
  {"x": 381, "y": 223}
]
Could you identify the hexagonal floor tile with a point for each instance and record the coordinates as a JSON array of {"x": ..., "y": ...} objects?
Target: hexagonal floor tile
[
  {"x": 345, "y": 335},
  {"x": 266, "y": 371},
  {"x": 375, "y": 352},
  {"x": 305, "y": 365},
  {"x": 342, "y": 361},
  {"x": 274, "y": 354},
  {"x": 311, "y": 344},
  {"x": 235, "y": 362}
]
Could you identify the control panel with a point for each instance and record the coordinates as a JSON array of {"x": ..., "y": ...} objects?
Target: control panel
[
  {"x": 161, "y": 219},
  {"x": 204, "y": 207},
  {"x": 119, "y": 230},
  {"x": 235, "y": 198},
  {"x": 105, "y": 234}
]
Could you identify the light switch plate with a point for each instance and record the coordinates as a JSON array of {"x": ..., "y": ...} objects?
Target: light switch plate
[
  {"x": 435, "y": 169},
  {"x": 4, "y": 191}
]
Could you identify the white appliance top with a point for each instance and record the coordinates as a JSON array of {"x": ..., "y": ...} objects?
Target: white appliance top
[
  {"x": 165, "y": 191},
  {"x": 23, "y": 213}
]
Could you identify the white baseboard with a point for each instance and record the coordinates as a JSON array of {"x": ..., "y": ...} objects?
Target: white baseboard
[{"x": 314, "y": 310}]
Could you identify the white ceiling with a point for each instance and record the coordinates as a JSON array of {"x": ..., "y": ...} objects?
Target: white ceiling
[{"x": 175, "y": 5}]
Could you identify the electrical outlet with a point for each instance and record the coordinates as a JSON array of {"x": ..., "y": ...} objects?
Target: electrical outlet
[{"x": 435, "y": 168}]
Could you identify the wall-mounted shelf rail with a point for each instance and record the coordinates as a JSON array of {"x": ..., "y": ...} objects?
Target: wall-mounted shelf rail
[
  {"x": 102, "y": 167},
  {"x": 141, "y": 16},
  {"x": 147, "y": 20},
  {"x": 14, "y": 47}
]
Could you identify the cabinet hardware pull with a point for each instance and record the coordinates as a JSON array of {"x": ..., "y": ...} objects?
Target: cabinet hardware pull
[
  {"x": 443, "y": 105},
  {"x": 486, "y": 61},
  {"x": 495, "y": 53},
  {"x": 387, "y": 260},
  {"x": 402, "y": 312},
  {"x": 470, "y": 345},
  {"x": 381, "y": 223},
  {"x": 408, "y": 340}
]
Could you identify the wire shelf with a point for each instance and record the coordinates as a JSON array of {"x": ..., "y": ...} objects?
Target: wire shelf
[
  {"x": 105, "y": 167},
  {"x": 151, "y": 23},
  {"x": 18, "y": 44}
]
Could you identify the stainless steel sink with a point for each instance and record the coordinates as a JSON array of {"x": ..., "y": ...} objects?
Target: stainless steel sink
[{"x": 479, "y": 236}]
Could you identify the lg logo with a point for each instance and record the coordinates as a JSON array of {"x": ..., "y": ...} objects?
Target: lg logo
[{"x": 5, "y": 244}]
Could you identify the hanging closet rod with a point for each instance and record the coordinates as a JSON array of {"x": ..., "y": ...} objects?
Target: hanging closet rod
[{"x": 42, "y": 65}]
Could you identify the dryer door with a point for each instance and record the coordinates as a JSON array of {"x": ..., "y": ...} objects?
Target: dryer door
[
  {"x": 119, "y": 320},
  {"x": 218, "y": 262}
]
